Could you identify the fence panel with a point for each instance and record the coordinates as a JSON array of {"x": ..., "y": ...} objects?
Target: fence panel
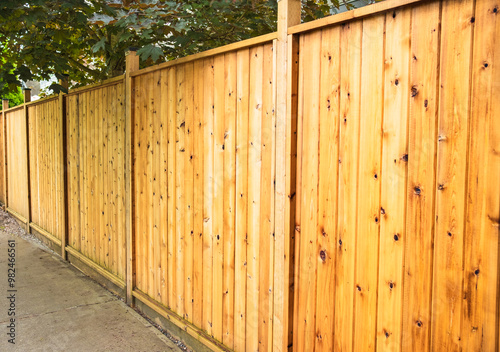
[
  {"x": 96, "y": 184},
  {"x": 397, "y": 241},
  {"x": 45, "y": 127},
  {"x": 203, "y": 192},
  {"x": 17, "y": 171}
]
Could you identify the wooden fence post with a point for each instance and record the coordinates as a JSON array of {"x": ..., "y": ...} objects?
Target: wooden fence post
[
  {"x": 131, "y": 65},
  {"x": 5, "y": 106},
  {"x": 27, "y": 99},
  {"x": 288, "y": 14},
  {"x": 27, "y": 95},
  {"x": 64, "y": 82}
]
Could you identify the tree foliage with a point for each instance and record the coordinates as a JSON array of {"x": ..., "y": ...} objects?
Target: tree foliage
[{"x": 87, "y": 39}]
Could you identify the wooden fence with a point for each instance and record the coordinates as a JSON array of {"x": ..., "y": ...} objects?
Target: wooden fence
[
  {"x": 203, "y": 192},
  {"x": 96, "y": 184},
  {"x": 373, "y": 133},
  {"x": 399, "y": 201},
  {"x": 45, "y": 127}
]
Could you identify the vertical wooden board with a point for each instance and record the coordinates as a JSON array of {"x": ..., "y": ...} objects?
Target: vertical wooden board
[
  {"x": 172, "y": 128},
  {"x": 48, "y": 175},
  {"x": 121, "y": 240},
  {"x": 198, "y": 173},
  {"x": 138, "y": 183},
  {"x": 164, "y": 130},
  {"x": 350, "y": 75},
  {"x": 188, "y": 190},
  {"x": 149, "y": 197},
  {"x": 71, "y": 165},
  {"x": 50, "y": 190},
  {"x": 480, "y": 312},
  {"x": 83, "y": 173},
  {"x": 112, "y": 179},
  {"x": 451, "y": 190},
  {"x": 53, "y": 169},
  {"x": 143, "y": 245},
  {"x": 43, "y": 161},
  {"x": 43, "y": 167},
  {"x": 241, "y": 170},
  {"x": 109, "y": 177},
  {"x": 393, "y": 181},
  {"x": 329, "y": 105},
  {"x": 218, "y": 197},
  {"x": 33, "y": 151},
  {"x": 298, "y": 196},
  {"x": 94, "y": 174},
  {"x": 229, "y": 207},
  {"x": 107, "y": 245},
  {"x": 47, "y": 187},
  {"x": 254, "y": 185},
  {"x": 421, "y": 177},
  {"x": 73, "y": 182},
  {"x": 60, "y": 166},
  {"x": 86, "y": 175},
  {"x": 23, "y": 180},
  {"x": 208, "y": 187},
  {"x": 30, "y": 148},
  {"x": 100, "y": 110},
  {"x": 266, "y": 228},
  {"x": 157, "y": 168},
  {"x": 180, "y": 149},
  {"x": 291, "y": 192},
  {"x": 77, "y": 185},
  {"x": 53, "y": 180},
  {"x": 308, "y": 250},
  {"x": 94, "y": 210},
  {"x": 370, "y": 136}
]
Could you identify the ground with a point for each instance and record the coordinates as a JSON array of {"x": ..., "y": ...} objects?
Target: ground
[{"x": 48, "y": 305}]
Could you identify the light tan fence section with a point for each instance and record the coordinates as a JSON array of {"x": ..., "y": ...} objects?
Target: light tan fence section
[
  {"x": 45, "y": 127},
  {"x": 17, "y": 172},
  {"x": 398, "y": 181},
  {"x": 204, "y": 190},
  {"x": 95, "y": 145}
]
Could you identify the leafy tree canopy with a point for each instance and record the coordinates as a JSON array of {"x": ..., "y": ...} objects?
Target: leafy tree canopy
[{"x": 87, "y": 39}]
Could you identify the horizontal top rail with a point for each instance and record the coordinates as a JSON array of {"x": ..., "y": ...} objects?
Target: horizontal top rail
[
  {"x": 15, "y": 108},
  {"x": 104, "y": 83},
  {"x": 212, "y": 52},
  {"x": 43, "y": 100},
  {"x": 351, "y": 15}
]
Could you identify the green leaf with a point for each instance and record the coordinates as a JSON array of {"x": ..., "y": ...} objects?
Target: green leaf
[
  {"x": 100, "y": 45},
  {"x": 150, "y": 51}
]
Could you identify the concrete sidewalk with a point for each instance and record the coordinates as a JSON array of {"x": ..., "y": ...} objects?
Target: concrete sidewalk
[{"x": 57, "y": 308}]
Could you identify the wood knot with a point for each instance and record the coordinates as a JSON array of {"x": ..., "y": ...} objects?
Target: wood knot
[
  {"x": 414, "y": 91},
  {"x": 322, "y": 255},
  {"x": 417, "y": 190}
]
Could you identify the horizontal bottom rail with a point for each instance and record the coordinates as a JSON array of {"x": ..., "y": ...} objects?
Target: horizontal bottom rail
[
  {"x": 179, "y": 322},
  {"x": 45, "y": 233},
  {"x": 17, "y": 215},
  {"x": 106, "y": 274}
]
